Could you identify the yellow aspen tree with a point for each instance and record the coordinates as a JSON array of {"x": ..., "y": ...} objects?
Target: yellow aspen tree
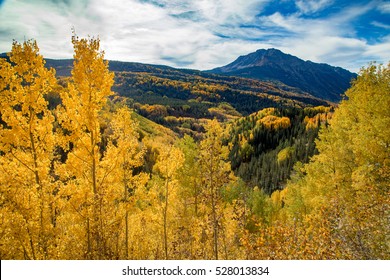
[
  {"x": 146, "y": 238},
  {"x": 190, "y": 173},
  {"x": 82, "y": 101},
  {"x": 366, "y": 118},
  {"x": 216, "y": 173},
  {"x": 26, "y": 153},
  {"x": 168, "y": 163},
  {"x": 189, "y": 244},
  {"x": 233, "y": 222},
  {"x": 124, "y": 154},
  {"x": 346, "y": 184}
]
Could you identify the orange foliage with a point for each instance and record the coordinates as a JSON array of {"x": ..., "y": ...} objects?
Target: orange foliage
[
  {"x": 274, "y": 122},
  {"x": 317, "y": 120}
]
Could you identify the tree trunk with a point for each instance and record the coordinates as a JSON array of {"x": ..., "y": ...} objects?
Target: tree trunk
[{"x": 165, "y": 213}]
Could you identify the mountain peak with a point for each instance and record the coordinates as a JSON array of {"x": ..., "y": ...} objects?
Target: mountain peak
[
  {"x": 259, "y": 58},
  {"x": 269, "y": 52},
  {"x": 320, "y": 80}
]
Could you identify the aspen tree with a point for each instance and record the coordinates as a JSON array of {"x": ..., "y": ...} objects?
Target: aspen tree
[
  {"x": 190, "y": 195},
  {"x": 82, "y": 101},
  {"x": 216, "y": 173},
  {"x": 124, "y": 154},
  {"x": 168, "y": 163},
  {"x": 26, "y": 154},
  {"x": 343, "y": 195}
]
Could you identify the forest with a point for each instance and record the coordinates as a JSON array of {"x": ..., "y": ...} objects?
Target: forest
[{"x": 84, "y": 175}]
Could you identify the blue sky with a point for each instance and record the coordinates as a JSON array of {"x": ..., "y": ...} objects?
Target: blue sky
[{"x": 203, "y": 34}]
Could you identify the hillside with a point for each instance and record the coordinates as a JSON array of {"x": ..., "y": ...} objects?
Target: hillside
[
  {"x": 320, "y": 80},
  {"x": 267, "y": 144},
  {"x": 186, "y": 84},
  {"x": 181, "y": 99}
]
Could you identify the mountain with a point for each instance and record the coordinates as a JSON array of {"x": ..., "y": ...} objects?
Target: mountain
[{"x": 320, "y": 80}]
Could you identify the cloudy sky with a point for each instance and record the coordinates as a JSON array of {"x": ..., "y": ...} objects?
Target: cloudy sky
[{"x": 203, "y": 34}]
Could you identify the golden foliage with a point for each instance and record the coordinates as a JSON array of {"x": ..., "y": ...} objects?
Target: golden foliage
[
  {"x": 27, "y": 143},
  {"x": 73, "y": 181},
  {"x": 274, "y": 122},
  {"x": 346, "y": 185}
]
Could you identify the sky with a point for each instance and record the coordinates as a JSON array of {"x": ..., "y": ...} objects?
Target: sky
[{"x": 204, "y": 34}]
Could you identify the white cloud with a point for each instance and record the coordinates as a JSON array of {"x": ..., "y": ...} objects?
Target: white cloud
[
  {"x": 380, "y": 24},
  {"x": 379, "y": 52},
  {"x": 214, "y": 11},
  {"x": 384, "y": 7},
  {"x": 312, "y": 6},
  {"x": 327, "y": 40},
  {"x": 328, "y": 49},
  {"x": 233, "y": 11},
  {"x": 144, "y": 31},
  {"x": 200, "y": 34},
  {"x": 47, "y": 22}
]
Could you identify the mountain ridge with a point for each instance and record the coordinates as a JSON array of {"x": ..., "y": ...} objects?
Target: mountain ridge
[{"x": 319, "y": 79}]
